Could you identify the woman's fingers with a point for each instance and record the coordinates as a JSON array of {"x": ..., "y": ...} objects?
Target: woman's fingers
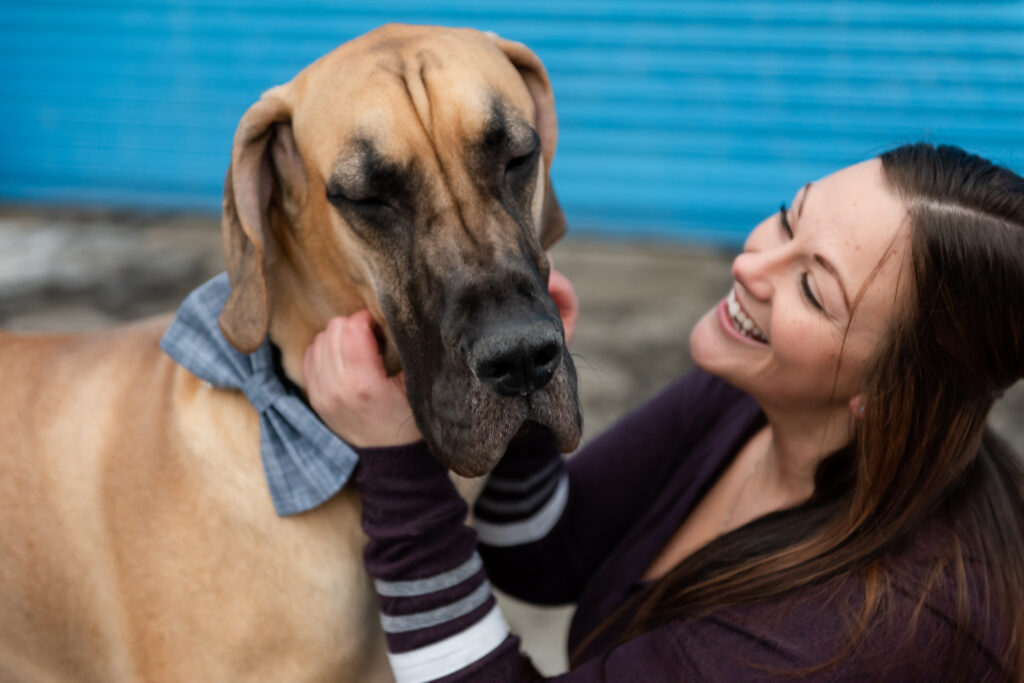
[
  {"x": 564, "y": 296},
  {"x": 349, "y": 388},
  {"x": 360, "y": 354}
]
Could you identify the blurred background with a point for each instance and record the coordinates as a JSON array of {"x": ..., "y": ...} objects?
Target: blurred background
[
  {"x": 683, "y": 120},
  {"x": 682, "y": 124}
]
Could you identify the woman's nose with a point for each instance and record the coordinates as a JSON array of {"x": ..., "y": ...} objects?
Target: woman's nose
[{"x": 756, "y": 270}]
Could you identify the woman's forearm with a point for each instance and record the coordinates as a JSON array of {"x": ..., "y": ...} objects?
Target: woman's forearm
[{"x": 437, "y": 610}]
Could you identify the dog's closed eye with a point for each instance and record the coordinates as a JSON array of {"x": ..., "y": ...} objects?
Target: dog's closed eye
[
  {"x": 523, "y": 163},
  {"x": 369, "y": 207}
]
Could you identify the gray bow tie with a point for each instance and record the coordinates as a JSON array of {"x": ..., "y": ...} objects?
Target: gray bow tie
[{"x": 305, "y": 463}]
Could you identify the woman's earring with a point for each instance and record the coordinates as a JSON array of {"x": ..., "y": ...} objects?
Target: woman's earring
[{"x": 857, "y": 407}]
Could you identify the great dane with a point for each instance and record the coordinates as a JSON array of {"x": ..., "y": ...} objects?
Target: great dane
[{"x": 405, "y": 172}]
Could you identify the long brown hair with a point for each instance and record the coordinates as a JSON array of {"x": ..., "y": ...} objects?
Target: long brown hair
[{"x": 921, "y": 451}]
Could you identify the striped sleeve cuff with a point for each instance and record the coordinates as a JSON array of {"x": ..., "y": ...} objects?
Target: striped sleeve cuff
[
  {"x": 525, "y": 496},
  {"x": 414, "y": 613},
  {"x": 460, "y": 625},
  {"x": 457, "y": 652},
  {"x": 436, "y": 607}
]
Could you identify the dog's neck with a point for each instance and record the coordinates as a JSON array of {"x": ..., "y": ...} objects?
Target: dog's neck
[{"x": 296, "y": 317}]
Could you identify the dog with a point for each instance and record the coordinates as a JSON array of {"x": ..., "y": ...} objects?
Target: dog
[{"x": 406, "y": 172}]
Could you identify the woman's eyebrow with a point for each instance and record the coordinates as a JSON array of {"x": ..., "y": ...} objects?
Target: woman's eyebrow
[{"x": 803, "y": 199}]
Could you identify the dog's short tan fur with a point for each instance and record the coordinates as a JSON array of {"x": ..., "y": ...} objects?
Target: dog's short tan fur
[
  {"x": 138, "y": 540},
  {"x": 122, "y": 561}
]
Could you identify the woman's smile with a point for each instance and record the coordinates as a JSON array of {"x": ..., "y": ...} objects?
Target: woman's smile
[
  {"x": 733, "y": 327},
  {"x": 742, "y": 321}
]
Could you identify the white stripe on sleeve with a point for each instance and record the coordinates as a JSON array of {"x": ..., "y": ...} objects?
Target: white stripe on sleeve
[
  {"x": 456, "y": 652},
  {"x": 527, "y": 530}
]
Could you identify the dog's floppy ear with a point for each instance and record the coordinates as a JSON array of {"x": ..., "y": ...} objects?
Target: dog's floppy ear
[
  {"x": 265, "y": 167},
  {"x": 553, "y": 224}
]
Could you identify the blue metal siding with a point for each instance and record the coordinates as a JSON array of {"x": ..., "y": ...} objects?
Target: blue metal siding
[{"x": 688, "y": 119}]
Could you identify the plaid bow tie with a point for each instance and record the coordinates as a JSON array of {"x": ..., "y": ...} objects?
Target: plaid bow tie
[{"x": 305, "y": 463}]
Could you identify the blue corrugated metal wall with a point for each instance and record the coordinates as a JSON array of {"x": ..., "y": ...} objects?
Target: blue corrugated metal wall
[{"x": 689, "y": 119}]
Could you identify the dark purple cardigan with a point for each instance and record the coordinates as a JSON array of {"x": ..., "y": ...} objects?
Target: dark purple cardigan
[{"x": 584, "y": 530}]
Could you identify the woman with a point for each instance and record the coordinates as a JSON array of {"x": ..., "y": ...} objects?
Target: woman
[{"x": 819, "y": 500}]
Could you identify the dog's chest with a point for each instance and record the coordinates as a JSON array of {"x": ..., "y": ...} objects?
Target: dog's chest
[{"x": 305, "y": 572}]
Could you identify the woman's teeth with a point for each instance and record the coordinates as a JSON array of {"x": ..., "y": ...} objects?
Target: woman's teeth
[{"x": 742, "y": 322}]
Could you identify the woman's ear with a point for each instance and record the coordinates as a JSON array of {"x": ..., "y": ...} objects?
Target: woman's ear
[
  {"x": 552, "y": 223},
  {"x": 265, "y": 163}
]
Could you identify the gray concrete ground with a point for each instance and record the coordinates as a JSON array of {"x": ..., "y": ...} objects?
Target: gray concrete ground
[{"x": 64, "y": 270}]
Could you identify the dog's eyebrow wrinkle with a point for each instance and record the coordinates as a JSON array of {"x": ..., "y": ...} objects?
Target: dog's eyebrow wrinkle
[
  {"x": 423, "y": 80},
  {"x": 427, "y": 59},
  {"x": 415, "y": 88}
]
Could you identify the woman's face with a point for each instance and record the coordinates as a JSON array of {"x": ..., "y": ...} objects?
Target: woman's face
[{"x": 828, "y": 266}]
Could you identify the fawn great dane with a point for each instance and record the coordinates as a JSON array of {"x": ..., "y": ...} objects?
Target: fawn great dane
[{"x": 405, "y": 172}]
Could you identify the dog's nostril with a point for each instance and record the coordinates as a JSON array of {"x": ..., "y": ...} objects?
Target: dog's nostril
[
  {"x": 546, "y": 354},
  {"x": 497, "y": 369}
]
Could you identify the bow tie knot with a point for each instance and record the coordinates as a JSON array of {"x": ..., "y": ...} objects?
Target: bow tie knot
[{"x": 262, "y": 390}]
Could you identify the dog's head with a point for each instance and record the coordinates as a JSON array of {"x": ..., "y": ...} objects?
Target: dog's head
[{"x": 407, "y": 172}]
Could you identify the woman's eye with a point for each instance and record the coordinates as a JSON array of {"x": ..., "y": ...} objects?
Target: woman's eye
[
  {"x": 805, "y": 285},
  {"x": 808, "y": 294}
]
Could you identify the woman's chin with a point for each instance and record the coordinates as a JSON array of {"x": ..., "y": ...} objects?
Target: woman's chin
[
  {"x": 715, "y": 353},
  {"x": 706, "y": 345}
]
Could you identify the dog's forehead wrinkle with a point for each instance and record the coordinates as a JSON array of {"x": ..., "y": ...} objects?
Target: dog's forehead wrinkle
[
  {"x": 429, "y": 59},
  {"x": 418, "y": 96},
  {"x": 391, "y": 64},
  {"x": 418, "y": 89},
  {"x": 414, "y": 78},
  {"x": 409, "y": 76}
]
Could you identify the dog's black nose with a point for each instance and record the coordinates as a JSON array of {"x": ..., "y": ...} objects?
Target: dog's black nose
[{"x": 517, "y": 360}]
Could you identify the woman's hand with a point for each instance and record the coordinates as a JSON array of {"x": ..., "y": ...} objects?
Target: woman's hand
[
  {"x": 564, "y": 296},
  {"x": 349, "y": 389}
]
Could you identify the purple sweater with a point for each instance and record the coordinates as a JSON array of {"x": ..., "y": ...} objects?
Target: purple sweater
[{"x": 551, "y": 531}]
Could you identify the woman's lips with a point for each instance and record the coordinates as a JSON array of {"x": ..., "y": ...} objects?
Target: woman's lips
[{"x": 726, "y": 321}]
